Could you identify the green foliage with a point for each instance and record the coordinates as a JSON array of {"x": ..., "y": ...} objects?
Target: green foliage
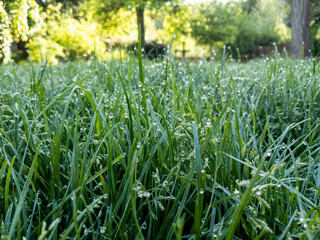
[
  {"x": 315, "y": 28},
  {"x": 5, "y": 35},
  {"x": 105, "y": 9},
  {"x": 315, "y": 38},
  {"x": 65, "y": 37},
  {"x": 66, "y": 4},
  {"x": 41, "y": 48},
  {"x": 19, "y": 19},
  {"x": 216, "y": 24},
  {"x": 80, "y": 28},
  {"x": 171, "y": 20},
  {"x": 118, "y": 26},
  {"x": 315, "y": 10}
]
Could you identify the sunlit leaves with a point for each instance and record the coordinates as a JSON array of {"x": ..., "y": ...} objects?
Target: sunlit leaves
[{"x": 19, "y": 19}]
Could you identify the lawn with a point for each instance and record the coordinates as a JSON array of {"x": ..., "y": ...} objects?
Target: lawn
[{"x": 211, "y": 150}]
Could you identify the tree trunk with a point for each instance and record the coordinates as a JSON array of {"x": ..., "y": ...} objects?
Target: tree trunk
[
  {"x": 300, "y": 28},
  {"x": 140, "y": 19}
]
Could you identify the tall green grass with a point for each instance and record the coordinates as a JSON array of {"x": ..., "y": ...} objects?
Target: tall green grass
[{"x": 138, "y": 149}]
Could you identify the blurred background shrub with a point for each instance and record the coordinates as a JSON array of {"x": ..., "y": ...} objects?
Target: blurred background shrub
[
  {"x": 151, "y": 50},
  {"x": 65, "y": 37}
]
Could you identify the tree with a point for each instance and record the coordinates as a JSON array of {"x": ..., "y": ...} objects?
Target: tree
[
  {"x": 19, "y": 20},
  {"x": 300, "y": 27},
  {"x": 217, "y": 24},
  {"x": 111, "y": 6},
  {"x": 228, "y": 24}
]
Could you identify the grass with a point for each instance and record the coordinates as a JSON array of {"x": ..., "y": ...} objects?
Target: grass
[{"x": 179, "y": 150}]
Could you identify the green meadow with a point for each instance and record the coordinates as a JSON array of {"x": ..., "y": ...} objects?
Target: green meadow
[{"x": 163, "y": 149}]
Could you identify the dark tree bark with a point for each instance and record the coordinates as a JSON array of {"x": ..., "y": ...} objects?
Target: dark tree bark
[
  {"x": 140, "y": 19},
  {"x": 300, "y": 27}
]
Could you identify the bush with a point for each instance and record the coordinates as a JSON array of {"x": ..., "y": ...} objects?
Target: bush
[
  {"x": 225, "y": 24},
  {"x": 254, "y": 31},
  {"x": 152, "y": 49},
  {"x": 315, "y": 38},
  {"x": 41, "y": 48},
  {"x": 65, "y": 37}
]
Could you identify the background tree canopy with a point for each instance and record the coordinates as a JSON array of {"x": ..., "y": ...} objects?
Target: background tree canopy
[
  {"x": 65, "y": 30},
  {"x": 19, "y": 20}
]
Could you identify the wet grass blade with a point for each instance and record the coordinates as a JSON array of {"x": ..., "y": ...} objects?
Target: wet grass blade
[{"x": 22, "y": 198}]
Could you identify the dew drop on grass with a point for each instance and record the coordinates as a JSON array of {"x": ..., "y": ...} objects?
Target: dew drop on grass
[
  {"x": 165, "y": 183},
  {"x": 144, "y": 225},
  {"x": 137, "y": 186},
  {"x": 102, "y": 230},
  {"x": 142, "y": 194}
]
